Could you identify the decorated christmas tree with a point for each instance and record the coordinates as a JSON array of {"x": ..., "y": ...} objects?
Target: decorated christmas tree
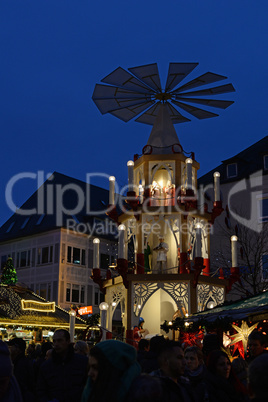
[{"x": 9, "y": 275}]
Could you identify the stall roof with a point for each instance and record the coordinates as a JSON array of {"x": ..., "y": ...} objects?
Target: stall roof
[
  {"x": 242, "y": 309},
  {"x": 21, "y": 306}
]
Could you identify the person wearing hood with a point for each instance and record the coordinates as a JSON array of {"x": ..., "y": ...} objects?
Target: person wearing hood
[{"x": 112, "y": 368}]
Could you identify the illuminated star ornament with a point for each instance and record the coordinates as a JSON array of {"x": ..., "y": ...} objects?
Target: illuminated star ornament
[
  {"x": 138, "y": 93},
  {"x": 242, "y": 333}
]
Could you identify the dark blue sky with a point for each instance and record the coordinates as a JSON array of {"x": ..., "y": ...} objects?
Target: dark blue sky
[{"x": 54, "y": 51}]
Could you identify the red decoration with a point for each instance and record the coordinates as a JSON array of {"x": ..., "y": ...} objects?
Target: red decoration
[
  {"x": 216, "y": 210},
  {"x": 234, "y": 277},
  {"x": 96, "y": 277},
  {"x": 192, "y": 338},
  {"x": 239, "y": 346}
]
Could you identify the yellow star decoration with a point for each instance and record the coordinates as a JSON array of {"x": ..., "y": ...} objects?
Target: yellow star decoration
[{"x": 242, "y": 334}]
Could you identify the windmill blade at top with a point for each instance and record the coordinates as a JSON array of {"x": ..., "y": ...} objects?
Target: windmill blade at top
[
  {"x": 222, "y": 89},
  {"x": 111, "y": 92},
  {"x": 177, "y": 72},
  {"x": 129, "y": 113},
  {"x": 150, "y": 115},
  {"x": 195, "y": 111},
  {"x": 221, "y": 104},
  {"x": 137, "y": 93},
  {"x": 124, "y": 79},
  {"x": 109, "y": 105},
  {"x": 148, "y": 74},
  {"x": 205, "y": 79}
]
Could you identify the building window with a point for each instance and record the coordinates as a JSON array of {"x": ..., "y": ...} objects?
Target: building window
[
  {"x": 75, "y": 293},
  {"x": 45, "y": 252},
  {"x": 265, "y": 162},
  {"x": 76, "y": 255},
  {"x": 25, "y": 223},
  {"x": 263, "y": 209},
  {"x": 10, "y": 227},
  {"x": 24, "y": 259},
  {"x": 232, "y": 170},
  {"x": 265, "y": 266},
  {"x": 45, "y": 255},
  {"x": 41, "y": 217},
  {"x": 68, "y": 292},
  {"x": 44, "y": 290}
]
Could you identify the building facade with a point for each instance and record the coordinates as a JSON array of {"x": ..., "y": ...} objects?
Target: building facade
[
  {"x": 52, "y": 249},
  {"x": 244, "y": 195}
]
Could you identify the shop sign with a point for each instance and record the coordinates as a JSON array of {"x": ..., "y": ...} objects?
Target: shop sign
[
  {"x": 48, "y": 307},
  {"x": 85, "y": 310}
]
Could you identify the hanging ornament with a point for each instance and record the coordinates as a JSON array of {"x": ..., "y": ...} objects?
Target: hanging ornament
[
  {"x": 192, "y": 338},
  {"x": 239, "y": 346},
  {"x": 242, "y": 333}
]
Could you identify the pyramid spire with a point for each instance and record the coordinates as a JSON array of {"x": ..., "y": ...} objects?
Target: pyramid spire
[{"x": 163, "y": 135}]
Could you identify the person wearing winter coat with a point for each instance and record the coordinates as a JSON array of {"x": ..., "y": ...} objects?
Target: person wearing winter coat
[
  {"x": 221, "y": 382},
  {"x": 62, "y": 377},
  {"x": 195, "y": 372},
  {"x": 9, "y": 388},
  {"x": 112, "y": 368}
]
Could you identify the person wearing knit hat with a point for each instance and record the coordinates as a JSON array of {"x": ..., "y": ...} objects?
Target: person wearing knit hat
[
  {"x": 9, "y": 389},
  {"x": 112, "y": 368}
]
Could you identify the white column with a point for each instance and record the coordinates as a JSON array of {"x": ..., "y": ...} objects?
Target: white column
[
  {"x": 72, "y": 314},
  {"x": 217, "y": 196},
  {"x": 103, "y": 316},
  {"x": 234, "y": 250},
  {"x": 126, "y": 245},
  {"x": 130, "y": 166},
  {"x": 96, "y": 253},
  {"x": 111, "y": 189},
  {"x": 121, "y": 241},
  {"x": 189, "y": 173},
  {"x": 198, "y": 243}
]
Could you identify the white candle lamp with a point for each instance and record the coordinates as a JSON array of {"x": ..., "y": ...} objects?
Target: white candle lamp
[
  {"x": 217, "y": 196},
  {"x": 198, "y": 244},
  {"x": 189, "y": 173},
  {"x": 111, "y": 189},
  {"x": 234, "y": 250},
  {"x": 96, "y": 253},
  {"x": 130, "y": 166},
  {"x": 121, "y": 241}
]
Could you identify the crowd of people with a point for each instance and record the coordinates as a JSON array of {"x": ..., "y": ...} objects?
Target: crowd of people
[{"x": 114, "y": 371}]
